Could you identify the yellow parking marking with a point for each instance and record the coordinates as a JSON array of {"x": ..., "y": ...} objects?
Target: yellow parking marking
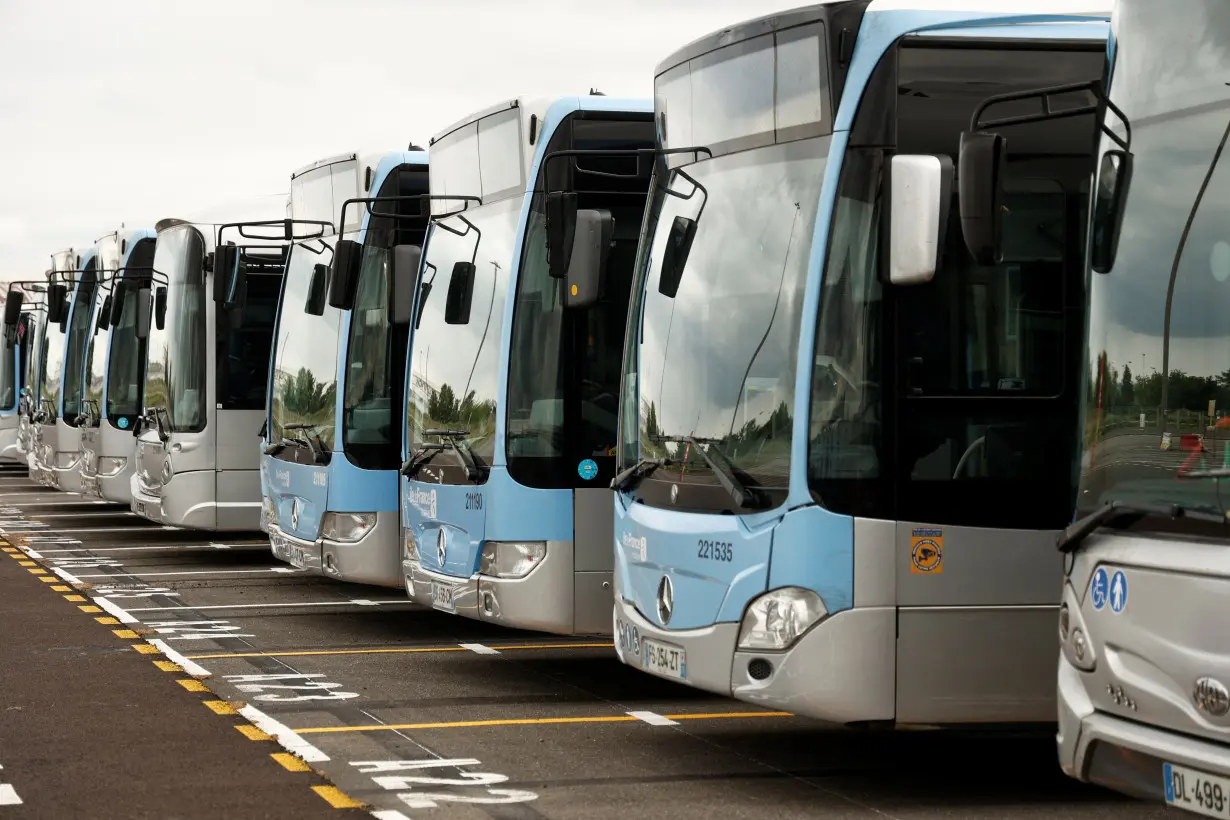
[
  {"x": 48, "y": 579},
  {"x": 75, "y": 598},
  {"x": 220, "y": 707},
  {"x": 465, "y": 724},
  {"x": 27, "y": 563},
  {"x": 401, "y": 651},
  {"x": 252, "y": 733},
  {"x": 144, "y": 648},
  {"x": 90, "y": 609},
  {"x": 61, "y": 588},
  {"x": 168, "y": 666},
  {"x": 290, "y": 762},
  {"x": 337, "y": 798},
  {"x": 125, "y": 633},
  {"x": 108, "y": 621},
  {"x": 37, "y": 571},
  {"x": 10, "y": 550},
  {"x": 193, "y": 685}
]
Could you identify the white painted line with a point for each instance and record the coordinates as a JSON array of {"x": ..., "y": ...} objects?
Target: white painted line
[
  {"x": 265, "y": 606},
  {"x": 477, "y": 648},
  {"x": 95, "y": 514},
  {"x": 389, "y": 814},
  {"x": 163, "y": 547},
  {"x": 67, "y": 576},
  {"x": 290, "y": 741},
  {"x": 654, "y": 719},
  {"x": 191, "y": 667},
  {"x": 119, "y": 614},
  {"x": 31, "y": 552},
  {"x": 8, "y": 795},
  {"x": 283, "y": 570},
  {"x": 68, "y": 502}
]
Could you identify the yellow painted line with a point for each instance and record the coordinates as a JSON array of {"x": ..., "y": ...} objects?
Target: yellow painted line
[
  {"x": 193, "y": 685},
  {"x": 336, "y": 798},
  {"x": 48, "y": 579},
  {"x": 402, "y": 651},
  {"x": 90, "y": 609},
  {"x": 61, "y": 588},
  {"x": 168, "y": 666},
  {"x": 37, "y": 571},
  {"x": 10, "y": 550},
  {"x": 252, "y": 733},
  {"x": 125, "y": 633},
  {"x": 107, "y": 621},
  {"x": 27, "y": 563},
  {"x": 220, "y": 707},
  {"x": 465, "y": 724},
  {"x": 145, "y": 649},
  {"x": 75, "y": 598},
  {"x": 290, "y": 762}
]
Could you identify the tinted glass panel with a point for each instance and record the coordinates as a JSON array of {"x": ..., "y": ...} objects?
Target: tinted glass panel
[
  {"x": 176, "y": 377},
  {"x": 80, "y": 325}
]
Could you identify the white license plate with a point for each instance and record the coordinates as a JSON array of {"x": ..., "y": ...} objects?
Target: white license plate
[
  {"x": 140, "y": 508},
  {"x": 444, "y": 597},
  {"x": 1196, "y": 791},
  {"x": 663, "y": 659}
]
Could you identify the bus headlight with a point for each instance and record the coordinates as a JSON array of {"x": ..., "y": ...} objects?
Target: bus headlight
[
  {"x": 110, "y": 465},
  {"x": 347, "y": 527},
  {"x": 777, "y": 619},
  {"x": 511, "y": 559},
  {"x": 168, "y": 472},
  {"x": 1074, "y": 637}
]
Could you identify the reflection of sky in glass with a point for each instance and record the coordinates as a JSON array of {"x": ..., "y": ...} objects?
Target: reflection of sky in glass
[
  {"x": 305, "y": 357},
  {"x": 722, "y": 353},
  {"x": 176, "y": 377},
  {"x": 127, "y": 363},
  {"x": 464, "y": 357}
]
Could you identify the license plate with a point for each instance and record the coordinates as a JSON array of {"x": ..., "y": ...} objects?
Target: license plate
[
  {"x": 140, "y": 508},
  {"x": 443, "y": 597},
  {"x": 298, "y": 556},
  {"x": 1196, "y": 791},
  {"x": 663, "y": 659}
]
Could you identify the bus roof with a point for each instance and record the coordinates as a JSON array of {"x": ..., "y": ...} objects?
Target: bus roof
[{"x": 255, "y": 209}]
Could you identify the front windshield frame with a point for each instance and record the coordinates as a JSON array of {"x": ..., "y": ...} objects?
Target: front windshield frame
[
  {"x": 1157, "y": 390},
  {"x": 78, "y": 340},
  {"x": 127, "y": 354},
  {"x": 177, "y": 370}
]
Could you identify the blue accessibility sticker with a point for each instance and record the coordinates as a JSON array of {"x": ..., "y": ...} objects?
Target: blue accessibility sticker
[
  {"x": 1098, "y": 588},
  {"x": 588, "y": 469},
  {"x": 123, "y": 423}
]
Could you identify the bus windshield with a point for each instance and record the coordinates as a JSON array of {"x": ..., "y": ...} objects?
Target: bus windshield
[
  {"x": 1158, "y": 371},
  {"x": 175, "y": 378},
  {"x": 95, "y": 363},
  {"x": 8, "y": 375},
  {"x": 304, "y": 386},
  {"x": 80, "y": 325},
  {"x": 51, "y": 369}
]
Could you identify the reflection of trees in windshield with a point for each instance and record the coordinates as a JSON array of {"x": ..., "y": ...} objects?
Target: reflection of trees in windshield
[{"x": 718, "y": 360}]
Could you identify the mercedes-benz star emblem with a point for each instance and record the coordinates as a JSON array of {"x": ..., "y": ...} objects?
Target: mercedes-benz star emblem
[
  {"x": 1211, "y": 697},
  {"x": 294, "y": 514},
  {"x": 666, "y": 600},
  {"x": 674, "y": 493},
  {"x": 441, "y": 545}
]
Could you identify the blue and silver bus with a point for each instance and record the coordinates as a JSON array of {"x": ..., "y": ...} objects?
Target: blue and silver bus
[
  {"x": 514, "y": 366},
  {"x": 70, "y": 310},
  {"x": 336, "y": 387},
  {"x": 846, "y": 438},
  {"x": 114, "y": 377},
  {"x": 208, "y": 320},
  {"x": 1144, "y": 669}
]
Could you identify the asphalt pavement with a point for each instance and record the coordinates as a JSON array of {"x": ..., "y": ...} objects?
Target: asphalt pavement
[{"x": 153, "y": 672}]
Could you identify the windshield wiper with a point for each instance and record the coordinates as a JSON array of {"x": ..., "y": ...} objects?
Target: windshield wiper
[
  {"x": 311, "y": 440},
  {"x": 410, "y": 467},
  {"x": 628, "y": 478},
  {"x": 1217, "y": 472},
  {"x": 740, "y": 493},
  {"x": 1123, "y": 515},
  {"x": 451, "y": 437}
]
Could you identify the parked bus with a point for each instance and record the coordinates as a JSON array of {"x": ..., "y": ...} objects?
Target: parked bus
[
  {"x": 514, "y": 365},
  {"x": 1144, "y": 669},
  {"x": 20, "y": 346},
  {"x": 846, "y": 439},
  {"x": 208, "y": 341},
  {"x": 115, "y": 366},
  {"x": 336, "y": 386},
  {"x": 56, "y": 458}
]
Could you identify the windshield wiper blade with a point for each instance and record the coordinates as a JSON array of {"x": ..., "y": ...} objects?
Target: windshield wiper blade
[
  {"x": 451, "y": 437},
  {"x": 410, "y": 467},
  {"x": 1125, "y": 514},
  {"x": 628, "y": 478},
  {"x": 740, "y": 493},
  {"x": 1217, "y": 472},
  {"x": 442, "y": 433}
]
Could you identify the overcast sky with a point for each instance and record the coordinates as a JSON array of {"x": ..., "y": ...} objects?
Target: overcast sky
[{"x": 130, "y": 111}]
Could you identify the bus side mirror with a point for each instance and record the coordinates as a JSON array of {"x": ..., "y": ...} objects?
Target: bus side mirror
[
  {"x": 160, "y": 307},
  {"x": 117, "y": 303},
  {"x": 980, "y": 175},
  {"x": 675, "y": 256},
  {"x": 345, "y": 273},
  {"x": 460, "y": 294},
  {"x": 318, "y": 291},
  {"x": 591, "y": 248},
  {"x": 12, "y": 308},
  {"x": 104, "y": 315},
  {"x": 1114, "y": 180},
  {"x": 226, "y": 271},
  {"x": 144, "y": 311},
  {"x": 561, "y": 226},
  {"x": 57, "y": 303},
  {"x": 920, "y": 190},
  {"x": 402, "y": 279}
]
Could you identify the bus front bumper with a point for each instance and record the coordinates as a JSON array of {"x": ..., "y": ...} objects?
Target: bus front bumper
[
  {"x": 552, "y": 598},
  {"x": 8, "y": 446},
  {"x": 371, "y": 560}
]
